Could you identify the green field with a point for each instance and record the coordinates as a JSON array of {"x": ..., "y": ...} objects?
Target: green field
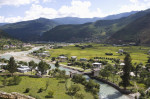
[
  {"x": 138, "y": 53},
  {"x": 36, "y": 83}
]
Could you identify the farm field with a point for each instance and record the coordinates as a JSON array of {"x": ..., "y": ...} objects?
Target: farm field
[{"x": 138, "y": 53}]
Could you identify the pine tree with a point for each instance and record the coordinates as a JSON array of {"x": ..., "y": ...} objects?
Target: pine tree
[
  {"x": 126, "y": 71},
  {"x": 12, "y": 66}
]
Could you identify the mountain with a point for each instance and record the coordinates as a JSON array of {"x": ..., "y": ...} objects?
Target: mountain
[
  {"x": 118, "y": 16},
  {"x": 99, "y": 31},
  {"x": 29, "y": 30},
  {"x": 76, "y": 20},
  {"x": 1, "y": 24},
  {"x": 5, "y": 39},
  {"x": 33, "y": 29},
  {"x": 138, "y": 31}
]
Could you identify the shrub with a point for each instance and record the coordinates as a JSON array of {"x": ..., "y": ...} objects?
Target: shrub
[
  {"x": 27, "y": 90},
  {"x": 50, "y": 94},
  {"x": 40, "y": 90}
]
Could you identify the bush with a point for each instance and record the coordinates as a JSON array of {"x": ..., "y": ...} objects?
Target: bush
[
  {"x": 40, "y": 90},
  {"x": 14, "y": 80},
  {"x": 108, "y": 53},
  {"x": 50, "y": 94},
  {"x": 27, "y": 90}
]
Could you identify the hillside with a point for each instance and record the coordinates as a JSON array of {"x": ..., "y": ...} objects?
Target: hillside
[
  {"x": 29, "y": 30},
  {"x": 138, "y": 31},
  {"x": 96, "y": 31},
  {"x": 33, "y": 29},
  {"x": 5, "y": 39}
]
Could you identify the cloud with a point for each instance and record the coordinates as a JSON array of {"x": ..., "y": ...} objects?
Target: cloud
[
  {"x": 47, "y": 1},
  {"x": 17, "y": 2},
  {"x": 10, "y": 19},
  {"x": 135, "y": 5},
  {"x": 77, "y": 9}
]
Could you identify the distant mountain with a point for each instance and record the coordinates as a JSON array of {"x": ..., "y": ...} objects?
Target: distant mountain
[
  {"x": 95, "y": 31},
  {"x": 118, "y": 16},
  {"x": 76, "y": 20},
  {"x": 138, "y": 31},
  {"x": 1, "y": 24},
  {"x": 29, "y": 30},
  {"x": 33, "y": 29}
]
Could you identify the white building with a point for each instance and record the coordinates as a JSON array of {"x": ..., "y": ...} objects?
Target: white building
[
  {"x": 97, "y": 65},
  {"x": 23, "y": 69},
  {"x": 62, "y": 58},
  {"x": 120, "y": 51},
  {"x": 74, "y": 57}
]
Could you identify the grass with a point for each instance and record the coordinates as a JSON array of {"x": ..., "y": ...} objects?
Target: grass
[
  {"x": 36, "y": 83},
  {"x": 138, "y": 53}
]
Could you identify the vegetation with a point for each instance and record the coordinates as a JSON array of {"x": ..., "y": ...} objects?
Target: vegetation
[
  {"x": 56, "y": 89},
  {"x": 12, "y": 66}
]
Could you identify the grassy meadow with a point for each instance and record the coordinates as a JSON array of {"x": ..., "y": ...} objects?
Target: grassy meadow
[{"x": 36, "y": 83}]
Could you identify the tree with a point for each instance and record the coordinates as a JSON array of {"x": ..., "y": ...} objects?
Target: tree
[
  {"x": 53, "y": 59},
  {"x": 57, "y": 64},
  {"x": 79, "y": 96},
  {"x": 126, "y": 71},
  {"x": 43, "y": 66},
  {"x": 73, "y": 90},
  {"x": 12, "y": 66},
  {"x": 32, "y": 65},
  {"x": 148, "y": 61}
]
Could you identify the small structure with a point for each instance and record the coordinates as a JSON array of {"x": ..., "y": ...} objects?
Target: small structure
[
  {"x": 2, "y": 65},
  {"x": 120, "y": 51},
  {"x": 132, "y": 74},
  {"x": 74, "y": 58},
  {"x": 122, "y": 64},
  {"x": 83, "y": 59},
  {"x": 96, "y": 72},
  {"x": 23, "y": 69},
  {"x": 62, "y": 58},
  {"x": 97, "y": 65},
  {"x": 72, "y": 73}
]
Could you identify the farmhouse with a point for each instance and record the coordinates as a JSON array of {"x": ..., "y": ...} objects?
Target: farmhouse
[
  {"x": 62, "y": 58},
  {"x": 23, "y": 69},
  {"x": 97, "y": 65},
  {"x": 74, "y": 57}
]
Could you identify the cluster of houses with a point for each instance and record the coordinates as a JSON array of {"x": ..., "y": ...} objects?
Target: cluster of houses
[
  {"x": 5, "y": 47},
  {"x": 42, "y": 54}
]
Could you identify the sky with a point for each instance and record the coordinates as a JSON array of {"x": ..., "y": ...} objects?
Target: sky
[{"x": 22, "y": 10}]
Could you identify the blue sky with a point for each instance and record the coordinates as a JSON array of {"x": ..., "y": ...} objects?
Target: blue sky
[{"x": 22, "y": 10}]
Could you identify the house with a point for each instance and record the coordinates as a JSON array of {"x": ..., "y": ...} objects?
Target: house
[
  {"x": 83, "y": 59},
  {"x": 23, "y": 69},
  {"x": 2, "y": 65},
  {"x": 120, "y": 51},
  {"x": 74, "y": 58},
  {"x": 97, "y": 65},
  {"x": 62, "y": 58},
  {"x": 6, "y": 47}
]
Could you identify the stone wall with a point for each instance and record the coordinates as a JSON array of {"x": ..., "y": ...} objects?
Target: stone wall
[{"x": 14, "y": 95}]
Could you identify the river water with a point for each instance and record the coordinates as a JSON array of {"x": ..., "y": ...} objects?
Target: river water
[{"x": 106, "y": 91}]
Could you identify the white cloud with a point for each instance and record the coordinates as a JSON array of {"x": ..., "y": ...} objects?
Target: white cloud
[
  {"x": 10, "y": 19},
  {"x": 17, "y": 2},
  {"x": 135, "y": 5},
  {"x": 47, "y": 1},
  {"x": 77, "y": 9}
]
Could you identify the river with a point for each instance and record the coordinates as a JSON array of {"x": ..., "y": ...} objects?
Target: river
[{"x": 106, "y": 91}]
